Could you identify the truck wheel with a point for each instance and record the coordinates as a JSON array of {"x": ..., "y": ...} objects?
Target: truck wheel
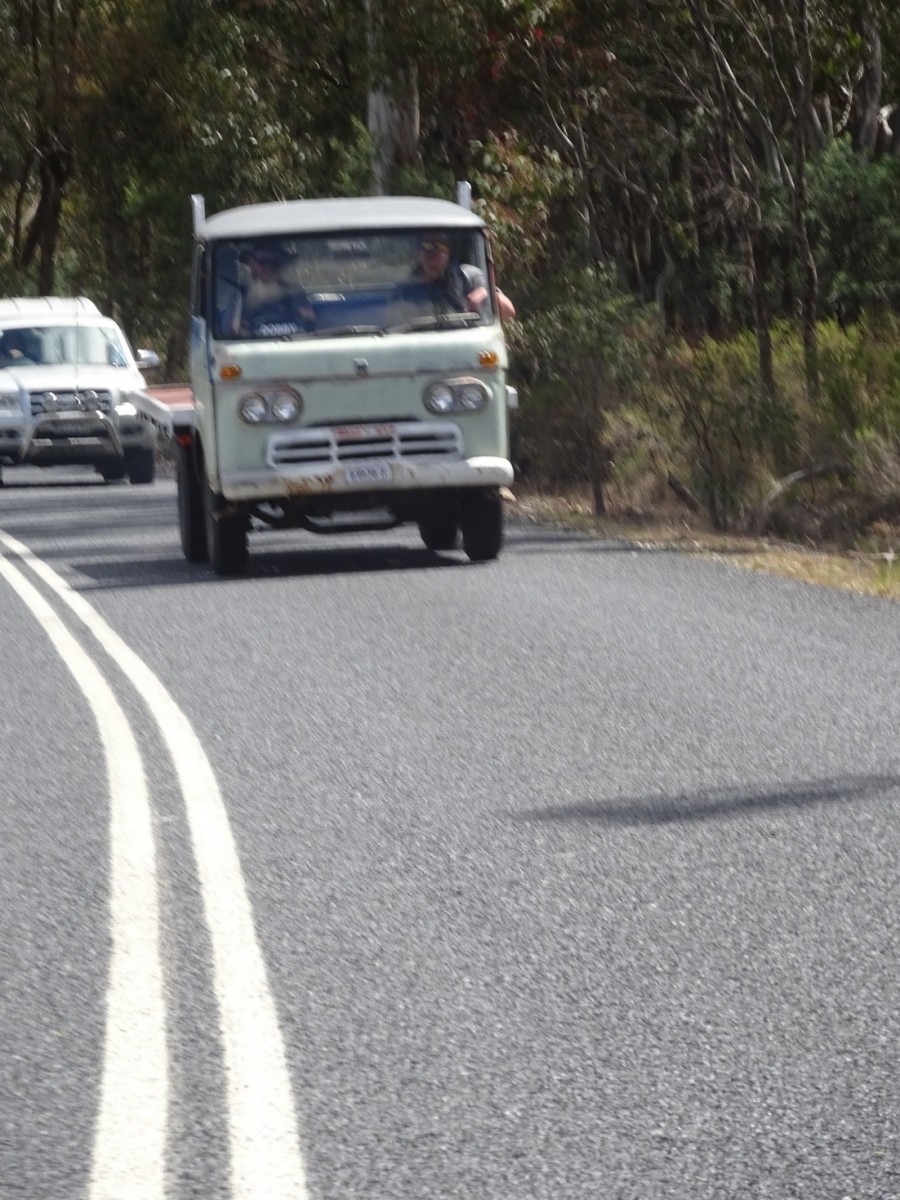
[
  {"x": 226, "y": 539},
  {"x": 191, "y": 513},
  {"x": 440, "y": 530},
  {"x": 481, "y": 521},
  {"x": 141, "y": 464}
]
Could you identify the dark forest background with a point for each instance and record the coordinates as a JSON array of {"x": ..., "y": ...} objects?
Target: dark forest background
[{"x": 695, "y": 206}]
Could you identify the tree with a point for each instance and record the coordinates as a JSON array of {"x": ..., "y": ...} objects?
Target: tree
[{"x": 43, "y": 67}]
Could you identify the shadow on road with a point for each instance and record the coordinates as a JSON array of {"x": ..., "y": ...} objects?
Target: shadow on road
[
  {"x": 124, "y": 572},
  {"x": 95, "y": 536},
  {"x": 716, "y": 802}
]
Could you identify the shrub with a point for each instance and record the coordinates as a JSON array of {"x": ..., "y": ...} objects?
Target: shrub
[{"x": 584, "y": 358}]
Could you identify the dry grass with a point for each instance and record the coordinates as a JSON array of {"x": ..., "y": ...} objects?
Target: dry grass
[{"x": 875, "y": 573}]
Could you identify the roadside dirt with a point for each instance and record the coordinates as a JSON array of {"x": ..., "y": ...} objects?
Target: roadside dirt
[{"x": 875, "y": 572}]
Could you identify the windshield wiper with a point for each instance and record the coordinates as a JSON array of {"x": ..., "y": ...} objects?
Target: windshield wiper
[
  {"x": 447, "y": 320},
  {"x": 350, "y": 331}
]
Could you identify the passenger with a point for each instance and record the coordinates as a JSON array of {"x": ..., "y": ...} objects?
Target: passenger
[
  {"x": 450, "y": 286},
  {"x": 271, "y": 301}
]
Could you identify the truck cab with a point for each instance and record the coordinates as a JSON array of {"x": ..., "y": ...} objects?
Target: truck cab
[{"x": 348, "y": 369}]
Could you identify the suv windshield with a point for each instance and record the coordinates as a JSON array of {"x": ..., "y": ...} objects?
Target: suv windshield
[
  {"x": 387, "y": 282},
  {"x": 76, "y": 345}
]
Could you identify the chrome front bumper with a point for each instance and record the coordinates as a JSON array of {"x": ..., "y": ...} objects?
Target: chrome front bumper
[
  {"x": 350, "y": 478},
  {"x": 85, "y": 437},
  {"x": 77, "y": 437}
]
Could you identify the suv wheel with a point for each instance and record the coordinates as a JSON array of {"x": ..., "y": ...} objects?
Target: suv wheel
[
  {"x": 141, "y": 464},
  {"x": 112, "y": 472}
]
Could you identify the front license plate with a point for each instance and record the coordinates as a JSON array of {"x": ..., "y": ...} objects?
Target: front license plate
[{"x": 365, "y": 473}]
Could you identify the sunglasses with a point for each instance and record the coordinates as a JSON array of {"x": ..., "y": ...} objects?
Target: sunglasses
[{"x": 426, "y": 246}]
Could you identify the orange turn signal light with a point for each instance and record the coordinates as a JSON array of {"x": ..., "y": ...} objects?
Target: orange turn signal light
[
  {"x": 488, "y": 358},
  {"x": 230, "y": 371}
]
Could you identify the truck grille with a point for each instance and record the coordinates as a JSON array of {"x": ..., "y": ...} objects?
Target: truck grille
[
  {"x": 409, "y": 441},
  {"x": 87, "y": 399}
]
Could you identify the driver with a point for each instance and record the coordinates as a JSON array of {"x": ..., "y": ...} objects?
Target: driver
[
  {"x": 449, "y": 286},
  {"x": 270, "y": 301},
  {"x": 13, "y": 349}
]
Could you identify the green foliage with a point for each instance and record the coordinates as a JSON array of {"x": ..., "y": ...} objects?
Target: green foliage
[
  {"x": 730, "y": 443},
  {"x": 518, "y": 190},
  {"x": 724, "y": 427},
  {"x": 855, "y": 214},
  {"x": 861, "y": 372},
  {"x": 584, "y": 357}
]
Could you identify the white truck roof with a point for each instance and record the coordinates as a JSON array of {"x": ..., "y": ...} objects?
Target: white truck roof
[
  {"x": 48, "y": 306},
  {"x": 343, "y": 215}
]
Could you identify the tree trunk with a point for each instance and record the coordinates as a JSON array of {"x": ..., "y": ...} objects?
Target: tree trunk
[
  {"x": 54, "y": 168},
  {"x": 810, "y": 296},
  {"x": 599, "y": 457},
  {"x": 810, "y": 293},
  {"x": 393, "y": 108},
  {"x": 381, "y": 130},
  {"x": 872, "y": 80},
  {"x": 762, "y": 317}
]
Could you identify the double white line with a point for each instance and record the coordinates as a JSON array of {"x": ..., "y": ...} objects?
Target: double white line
[{"x": 129, "y": 1157}]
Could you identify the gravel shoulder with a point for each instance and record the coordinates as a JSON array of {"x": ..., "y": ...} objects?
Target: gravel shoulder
[{"x": 875, "y": 573}]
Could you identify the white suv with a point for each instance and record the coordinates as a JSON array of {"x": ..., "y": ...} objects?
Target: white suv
[{"x": 67, "y": 382}]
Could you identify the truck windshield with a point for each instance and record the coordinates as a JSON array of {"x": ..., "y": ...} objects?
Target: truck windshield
[{"x": 389, "y": 282}]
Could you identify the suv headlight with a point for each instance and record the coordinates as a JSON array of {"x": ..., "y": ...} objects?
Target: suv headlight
[
  {"x": 280, "y": 405},
  {"x": 456, "y": 395},
  {"x": 9, "y": 402}
]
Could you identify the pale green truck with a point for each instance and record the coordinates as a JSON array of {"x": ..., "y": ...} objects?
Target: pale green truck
[{"x": 348, "y": 368}]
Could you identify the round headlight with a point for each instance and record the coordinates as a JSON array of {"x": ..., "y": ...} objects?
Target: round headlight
[
  {"x": 439, "y": 398},
  {"x": 472, "y": 396},
  {"x": 253, "y": 409},
  {"x": 284, "y": 404}
]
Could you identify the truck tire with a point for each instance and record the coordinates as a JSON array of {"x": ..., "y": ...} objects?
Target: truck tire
[
  {"x": 440, "y": 530},
  {"x": 140, "y": 464},
  {"x": 481, "y": 522},
  {"x": 191, "y": 512},
  {"x": 226, "y": 538}
]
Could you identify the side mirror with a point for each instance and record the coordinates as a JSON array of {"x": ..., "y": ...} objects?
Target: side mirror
[{"x": 147, "y": 360}]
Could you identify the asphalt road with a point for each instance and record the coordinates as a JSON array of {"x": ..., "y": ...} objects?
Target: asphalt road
[{"x": 572, "y": 876}]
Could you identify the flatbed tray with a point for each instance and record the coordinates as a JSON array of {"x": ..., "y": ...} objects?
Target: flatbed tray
[{"x": 170, "y": 406}]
